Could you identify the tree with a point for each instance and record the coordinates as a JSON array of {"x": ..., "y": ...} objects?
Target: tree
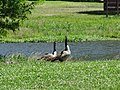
[{"x": 12, "y": 12}]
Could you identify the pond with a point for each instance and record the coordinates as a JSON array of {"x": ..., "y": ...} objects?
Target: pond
[{"x": 92, "y": 50}]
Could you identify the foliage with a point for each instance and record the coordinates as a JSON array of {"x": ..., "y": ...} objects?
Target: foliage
[{"x": 12, "y": 12}]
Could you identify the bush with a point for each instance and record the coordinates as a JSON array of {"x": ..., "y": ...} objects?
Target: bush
[{"x": 11, "y": 13}]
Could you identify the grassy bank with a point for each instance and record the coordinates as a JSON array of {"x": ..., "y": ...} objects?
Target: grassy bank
[
  {"x": 70, "y": 75},
  {"x": 52, "y": 20}
]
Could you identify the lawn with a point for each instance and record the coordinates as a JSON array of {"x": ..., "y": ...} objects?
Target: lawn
[
  {"x": 29, "y": 74},
  {"x": 51, "y": 21},
  {"x": 80, "y": 21}
]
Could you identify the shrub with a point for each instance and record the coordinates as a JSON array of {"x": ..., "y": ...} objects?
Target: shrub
[{"x": 12, "y": 12}]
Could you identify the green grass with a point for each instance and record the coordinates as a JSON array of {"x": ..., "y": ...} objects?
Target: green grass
[
  {"x": 69, "y": 75},
  {"x": 52, "y": 20}
]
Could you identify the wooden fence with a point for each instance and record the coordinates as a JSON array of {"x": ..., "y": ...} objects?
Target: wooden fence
[{"x": 111, "y": 6}]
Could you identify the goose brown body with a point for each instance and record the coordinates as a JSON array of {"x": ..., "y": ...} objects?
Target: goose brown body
[{"x": 50, "y": 56}]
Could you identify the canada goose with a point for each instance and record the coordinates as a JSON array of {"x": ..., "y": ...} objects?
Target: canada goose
[
  {"x": 50, "y": 56},
  {"x": 64, "y": 54}
]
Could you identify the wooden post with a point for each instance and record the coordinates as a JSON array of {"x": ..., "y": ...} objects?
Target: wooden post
[
  {"x": 111, "y": 6},
  {"x": 106, "y": 5},
  {"x": 117, "y": 6}
]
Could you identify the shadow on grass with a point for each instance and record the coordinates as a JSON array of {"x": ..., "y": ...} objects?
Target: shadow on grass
[{"x": 98, "y": 12}]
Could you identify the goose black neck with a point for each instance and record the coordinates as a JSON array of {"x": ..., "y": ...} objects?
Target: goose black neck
[
  {"x": 54, "y": 47},
  {"x": 65, "y": 42}
]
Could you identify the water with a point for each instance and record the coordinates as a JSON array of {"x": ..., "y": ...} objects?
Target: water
[{"x": 93, "y": 50}]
